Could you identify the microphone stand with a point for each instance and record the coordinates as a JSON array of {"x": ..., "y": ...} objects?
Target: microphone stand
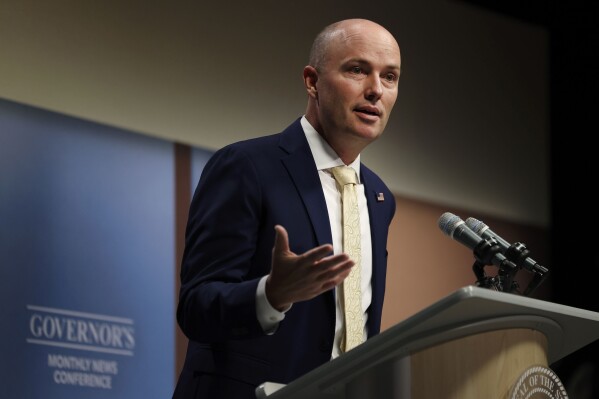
[
  {"x": 539, "y": 277},
  {"x": 504, "y": 281},
  {"x": 518, "y": 253},
  {"x": 484, "y": 252}
]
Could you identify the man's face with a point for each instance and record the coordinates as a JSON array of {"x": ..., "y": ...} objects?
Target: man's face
[{"x": 357, "y": 85}]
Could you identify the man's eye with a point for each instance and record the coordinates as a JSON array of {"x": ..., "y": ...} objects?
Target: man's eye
[
  {"x": 356, "y": 69},
  {"x": 391, "y": 77}
]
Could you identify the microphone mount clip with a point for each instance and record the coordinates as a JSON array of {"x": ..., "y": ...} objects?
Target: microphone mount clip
[{"x": 504, "y": 281}]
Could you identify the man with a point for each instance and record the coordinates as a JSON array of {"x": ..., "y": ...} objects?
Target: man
[{"x": 264, "y": 260}]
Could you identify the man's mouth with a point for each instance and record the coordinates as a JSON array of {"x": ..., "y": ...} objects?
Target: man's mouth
[{"x": 372, "y": 111}]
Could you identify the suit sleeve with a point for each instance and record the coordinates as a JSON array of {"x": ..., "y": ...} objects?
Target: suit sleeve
[{"x": 218, "y": 279}]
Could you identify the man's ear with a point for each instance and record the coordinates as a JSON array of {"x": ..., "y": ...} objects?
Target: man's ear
[{"x": 310, "y": 79}]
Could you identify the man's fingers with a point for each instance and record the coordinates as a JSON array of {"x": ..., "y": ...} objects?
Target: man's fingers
[
  {"x": 318, "y": 253},
  {"x": 333, "y": 260},
  {"x": 334, "y": 276},
  {"x": 331, "y": 269}
]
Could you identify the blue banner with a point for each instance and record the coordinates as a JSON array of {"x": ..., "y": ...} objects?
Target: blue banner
[{"x": 86, "y": 259}]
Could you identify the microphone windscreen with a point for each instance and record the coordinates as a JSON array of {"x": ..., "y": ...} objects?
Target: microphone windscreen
[
  {"x": 476, "y": 225},
  {"x": 448, "y": 223}
]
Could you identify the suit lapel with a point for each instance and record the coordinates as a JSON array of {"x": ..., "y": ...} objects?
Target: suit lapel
[
  {"x": 377, "y": 237},
  {"x": 302, "y": 170}
]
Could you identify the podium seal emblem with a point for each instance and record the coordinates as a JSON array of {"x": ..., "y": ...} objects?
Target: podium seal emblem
[{"x": 538, "y": 382}]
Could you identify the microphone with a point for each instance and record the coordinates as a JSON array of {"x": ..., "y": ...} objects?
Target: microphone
[
  {"x": 516, "y": 252},
  {"x": 486, "y": 250}
]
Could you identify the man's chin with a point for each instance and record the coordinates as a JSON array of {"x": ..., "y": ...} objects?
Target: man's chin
[{"x": 370, "y": 133}]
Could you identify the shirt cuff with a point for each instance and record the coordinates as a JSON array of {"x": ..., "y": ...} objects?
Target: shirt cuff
[{"x": 268, "y": 316}]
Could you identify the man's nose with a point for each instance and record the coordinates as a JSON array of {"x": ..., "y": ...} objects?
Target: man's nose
[{"x": 374, "y": 88}]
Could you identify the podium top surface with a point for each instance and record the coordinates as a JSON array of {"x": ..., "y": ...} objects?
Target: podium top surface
[
  {"x": 467, "y": 311},
  {"x": 472, "y": 309}
]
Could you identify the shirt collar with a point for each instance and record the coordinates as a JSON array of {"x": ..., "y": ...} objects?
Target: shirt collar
[{"x": 324, "y": 155}]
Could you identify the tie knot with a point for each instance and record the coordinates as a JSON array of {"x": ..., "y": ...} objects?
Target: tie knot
[{"x": 344, "y": 175}]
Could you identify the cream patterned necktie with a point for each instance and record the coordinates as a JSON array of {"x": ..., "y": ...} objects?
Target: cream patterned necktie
[{"x": 351, "y": 295}]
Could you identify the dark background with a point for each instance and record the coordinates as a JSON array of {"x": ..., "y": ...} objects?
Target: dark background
[{"x": 574, "y": 87}]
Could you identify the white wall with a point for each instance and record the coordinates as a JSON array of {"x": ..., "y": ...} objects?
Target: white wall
[{"x": 470, "y": 127}]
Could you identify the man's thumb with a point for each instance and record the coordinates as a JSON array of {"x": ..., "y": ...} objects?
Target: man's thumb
[{"x": 281, "y": 240}]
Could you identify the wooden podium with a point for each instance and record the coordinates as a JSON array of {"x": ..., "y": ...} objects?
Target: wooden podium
[{"x": 475, "y": 343}]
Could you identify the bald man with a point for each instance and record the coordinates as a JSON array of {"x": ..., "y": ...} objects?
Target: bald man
[{"x": 264, "y": 260}]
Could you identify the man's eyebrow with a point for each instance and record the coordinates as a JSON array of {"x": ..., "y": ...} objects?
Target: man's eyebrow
[{"x": 363, "y": 61}]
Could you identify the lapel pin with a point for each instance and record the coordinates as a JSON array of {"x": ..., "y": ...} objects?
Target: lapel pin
[{"x": 380, "y": 197}]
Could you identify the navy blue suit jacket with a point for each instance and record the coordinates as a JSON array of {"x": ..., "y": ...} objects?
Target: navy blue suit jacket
[{"x": 246, "y": 189}]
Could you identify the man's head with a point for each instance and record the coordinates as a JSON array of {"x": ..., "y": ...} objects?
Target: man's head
[{"x": 352, "y": 84}]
